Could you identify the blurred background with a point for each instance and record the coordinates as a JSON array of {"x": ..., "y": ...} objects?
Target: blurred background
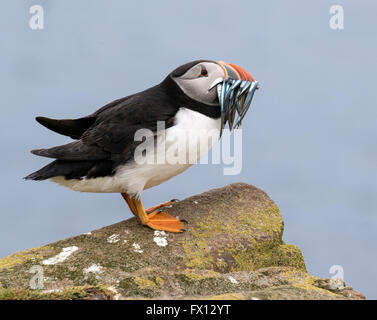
[{"x": 309, "y": 140}]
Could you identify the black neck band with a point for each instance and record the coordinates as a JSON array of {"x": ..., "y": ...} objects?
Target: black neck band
[{"x": 179, "y": 97}]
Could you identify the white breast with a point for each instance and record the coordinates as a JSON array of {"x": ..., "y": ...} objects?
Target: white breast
[{"x": 185, "y": 143}]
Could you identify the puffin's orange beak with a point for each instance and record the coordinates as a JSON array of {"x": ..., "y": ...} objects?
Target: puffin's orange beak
[{"x": 236, "y": 72}]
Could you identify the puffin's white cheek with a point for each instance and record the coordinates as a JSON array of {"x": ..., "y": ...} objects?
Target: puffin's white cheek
[
  {"x": 198, "y": 90},
  {"x": 211, "y": 96}
]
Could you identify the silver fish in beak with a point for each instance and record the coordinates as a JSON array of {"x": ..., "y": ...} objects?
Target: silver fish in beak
[{"x": 235, "y": 92}]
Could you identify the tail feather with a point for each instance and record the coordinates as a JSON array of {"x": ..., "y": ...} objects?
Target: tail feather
[
  {"x": 73, "y": 170},
  {"x": 73, "y": 128},
  {"x": 75, "y": 150}
]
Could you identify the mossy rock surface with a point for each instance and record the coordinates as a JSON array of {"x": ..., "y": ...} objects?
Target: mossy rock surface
[{"x": 232, "y": 249}]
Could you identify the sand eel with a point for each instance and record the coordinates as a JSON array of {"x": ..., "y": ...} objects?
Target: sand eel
[{"x": 197, "y": 97}]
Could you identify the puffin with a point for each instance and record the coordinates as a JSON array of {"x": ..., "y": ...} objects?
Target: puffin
[{"x": 110, "y": 147}]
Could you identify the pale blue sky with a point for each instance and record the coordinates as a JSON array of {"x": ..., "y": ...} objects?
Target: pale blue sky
[{"x": 309, "y": 139}]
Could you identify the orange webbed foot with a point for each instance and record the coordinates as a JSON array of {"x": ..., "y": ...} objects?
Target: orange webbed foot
[
  {"x": 151, "y": 209},
  {"x": 163, "y": 221}
]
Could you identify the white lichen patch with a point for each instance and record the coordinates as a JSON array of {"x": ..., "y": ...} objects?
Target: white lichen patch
[
  {"x": 66, "y": 252},
  {"x": 127, "y": 233},
  {"x": 232, "y": 280},
  {"x": 95, "y": 269},
  {"x": 137, "y": 248},
  {"x": 114, "y": 238},
  {"x": 160, "y": 238},
  {"x": 51, "y": 290}
]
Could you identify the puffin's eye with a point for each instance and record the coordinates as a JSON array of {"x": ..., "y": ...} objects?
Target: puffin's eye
[{"x": 203, "y": 72}]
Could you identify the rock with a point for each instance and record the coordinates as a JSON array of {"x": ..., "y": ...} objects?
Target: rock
[{"x": 232, "y": 249}]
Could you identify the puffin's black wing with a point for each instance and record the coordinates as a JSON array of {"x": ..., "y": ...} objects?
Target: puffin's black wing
[{"x": 109, "y": 138}]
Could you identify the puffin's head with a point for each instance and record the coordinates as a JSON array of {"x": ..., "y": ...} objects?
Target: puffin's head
[{"x": 218, "y": 84}]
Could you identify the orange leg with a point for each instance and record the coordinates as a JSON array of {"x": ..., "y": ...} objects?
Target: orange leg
[
  {"x": 155, "y": 220},
  {"x": 128, "y": 199}
]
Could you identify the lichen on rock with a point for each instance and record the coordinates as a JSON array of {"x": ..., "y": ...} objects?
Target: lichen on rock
[{"x": 232, "y": 249}]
